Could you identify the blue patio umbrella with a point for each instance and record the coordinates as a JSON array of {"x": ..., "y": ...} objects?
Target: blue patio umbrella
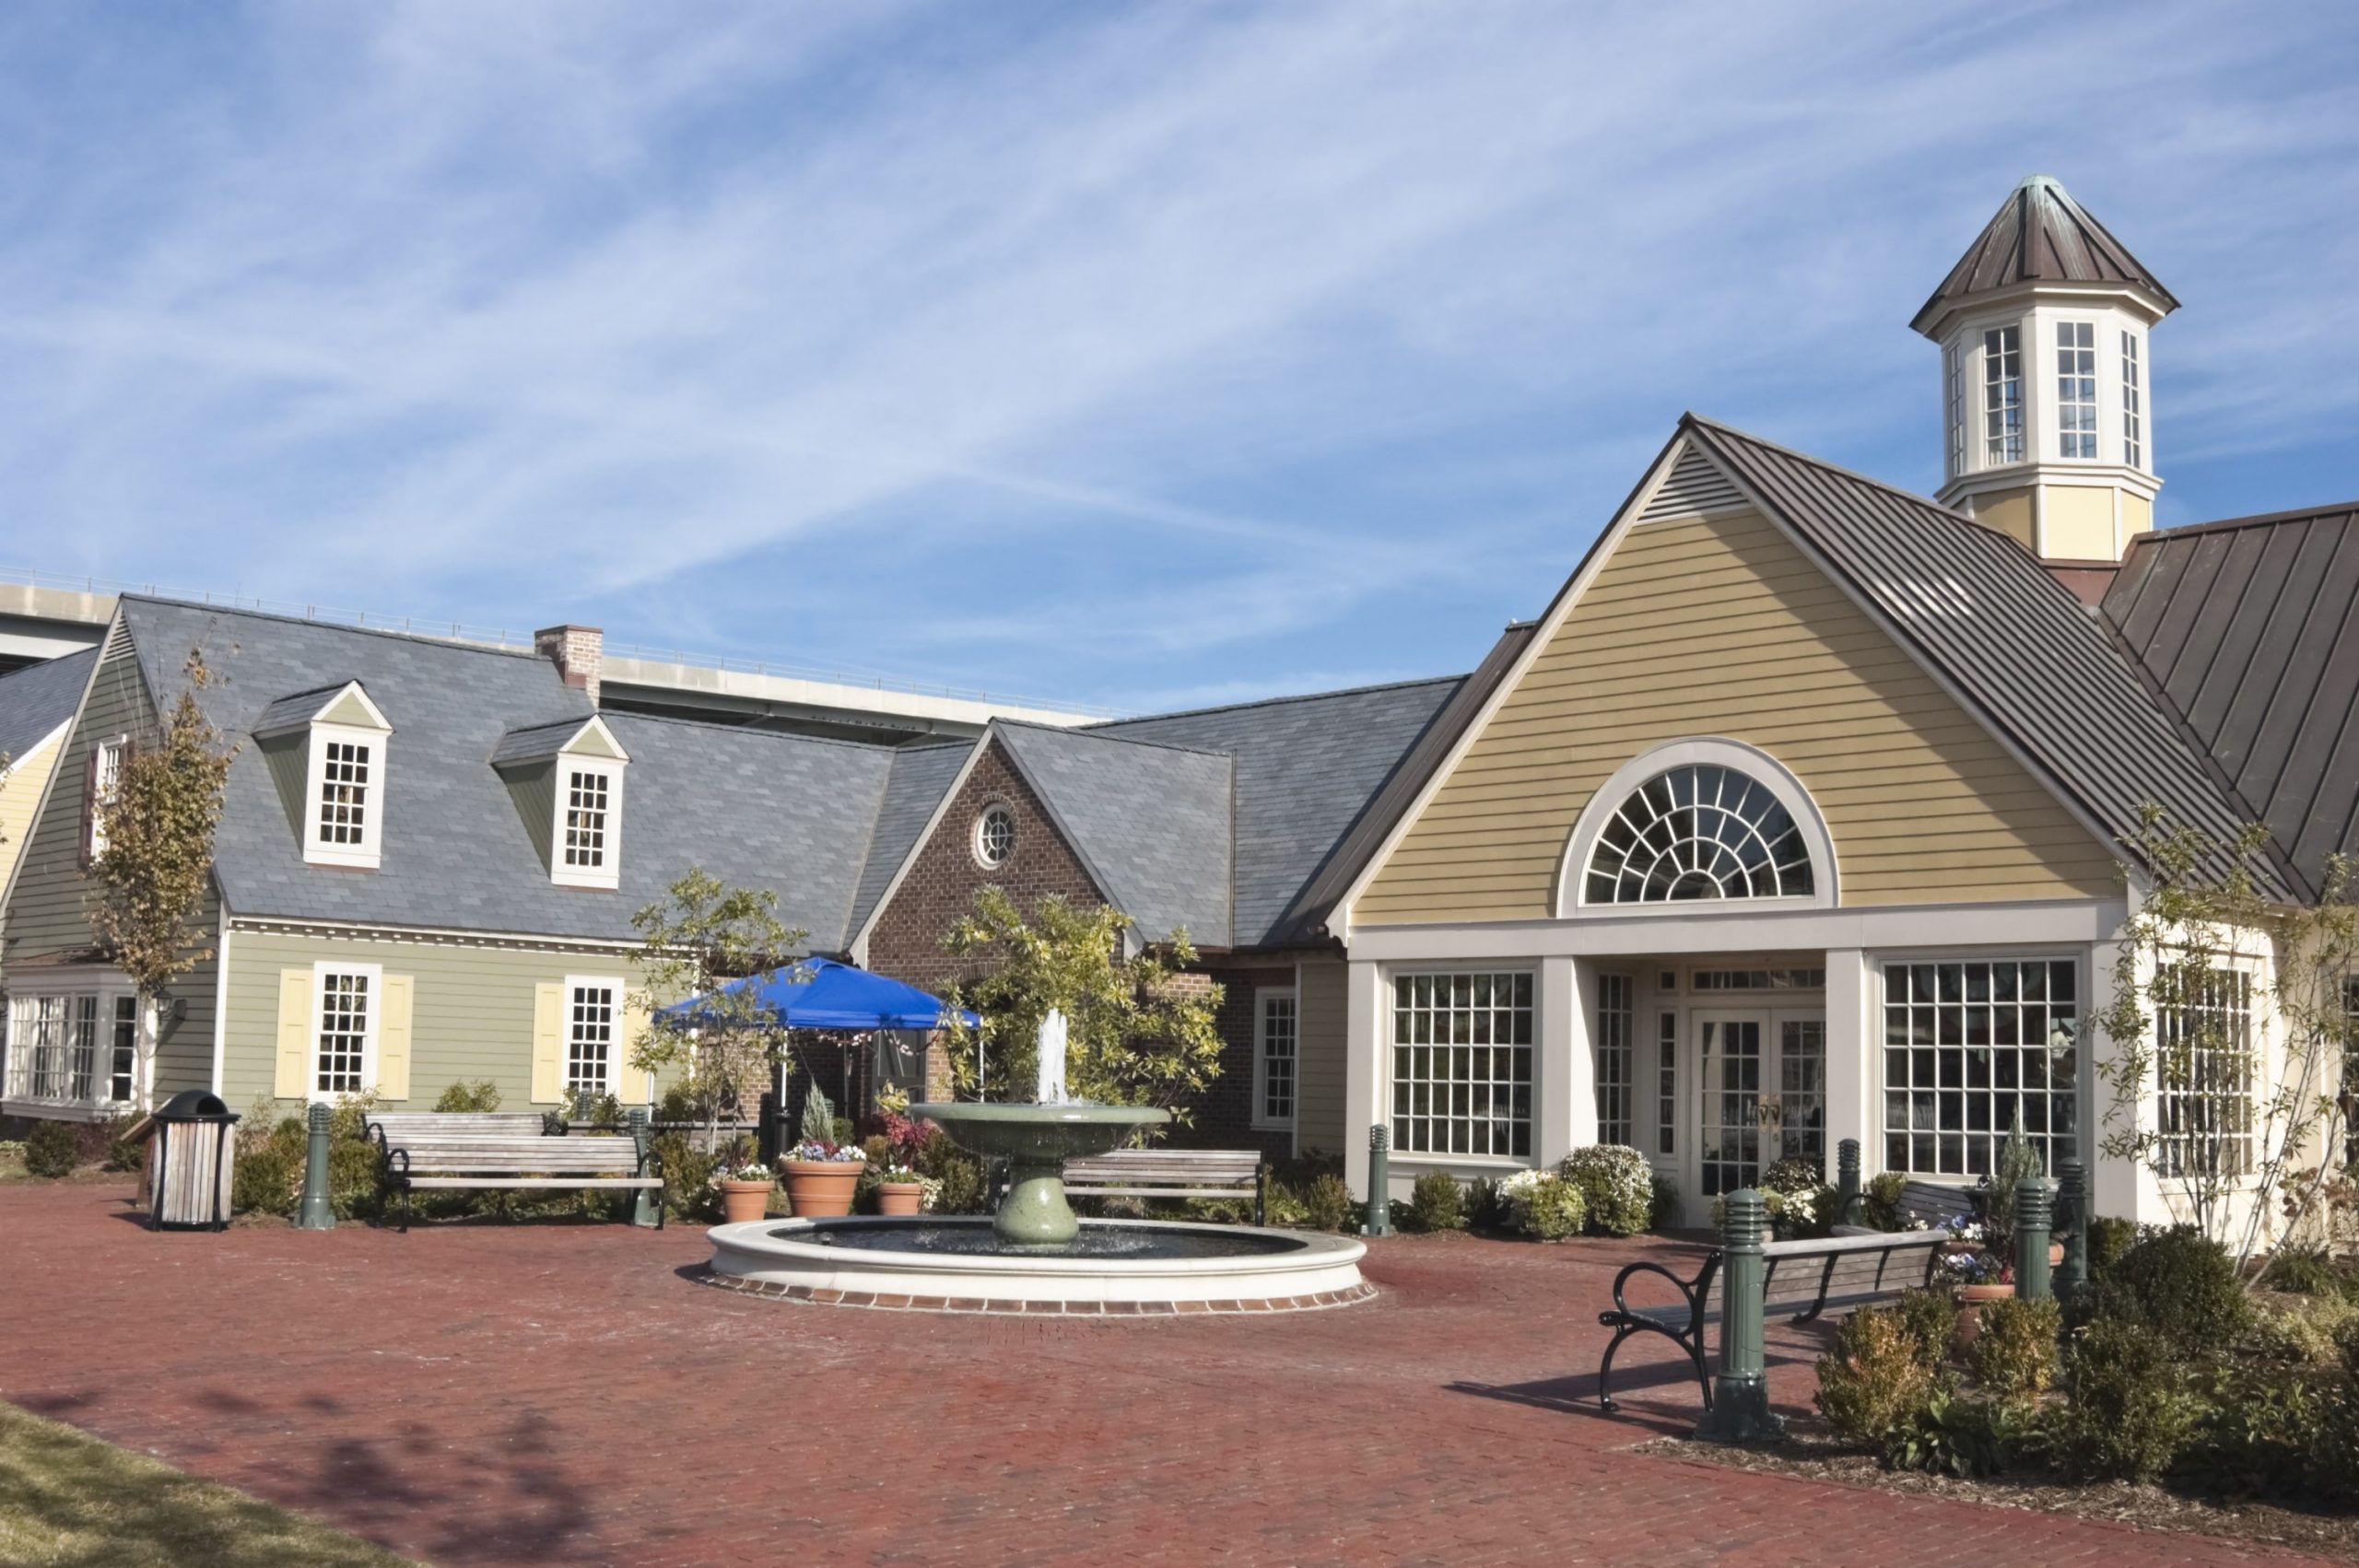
[{"x": 820, "y": 993}]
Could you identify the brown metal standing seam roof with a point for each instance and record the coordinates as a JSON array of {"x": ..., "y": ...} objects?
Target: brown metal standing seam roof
[{"x": 2042, "y": 235}]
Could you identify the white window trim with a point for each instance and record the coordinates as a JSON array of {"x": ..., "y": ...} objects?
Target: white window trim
[
  {"x": 1262, "y": 995},
  {"x": 2089, "y": 1111},
  {"x": 976, "y": 844},
  {"x": 101, "y": 797},
  {"x": 617, "y": 1038},
  {"x": 1705, "y": 751},
  {"x": 104, "y": 986},
  {"x": 2265, "y": 1064},
  {"x": 609, "y": 873},
  {"x": 1389, "y": 974},
  {"x": 321, "y": 970},
  {"x": 370, "y": 853}
]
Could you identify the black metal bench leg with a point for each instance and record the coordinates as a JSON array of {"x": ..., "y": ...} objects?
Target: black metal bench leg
[
  {"x": 1703, "y": 1371},
  {"x": 1606, "y": 1370}
]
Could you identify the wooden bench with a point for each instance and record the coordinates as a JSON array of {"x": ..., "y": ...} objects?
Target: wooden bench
[
  {"x": 481, "y": 1150},
  {"x": 1801, "y": 1281},
  {"x": 1935, "y": 1203},
  {"x": 1170, "y": 1173}
]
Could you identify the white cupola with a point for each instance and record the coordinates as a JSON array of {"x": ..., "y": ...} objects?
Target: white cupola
[{"x": 2047, "y": 421}]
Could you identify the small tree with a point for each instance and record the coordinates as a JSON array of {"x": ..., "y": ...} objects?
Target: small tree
[
  {"x": 158, "y": 825},
  {"x": 1136, "y": 1033},
  {"x": 703, "y": 935},
  {"x": 2209, "y": 972}
]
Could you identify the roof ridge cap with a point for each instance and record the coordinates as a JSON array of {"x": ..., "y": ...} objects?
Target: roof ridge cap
[
  {"x": 1275, "y": 701},
  {"x": 1082, "y": 733},
  {"x": 457, "y": 645},
  {"x": 634, "y": 717}
]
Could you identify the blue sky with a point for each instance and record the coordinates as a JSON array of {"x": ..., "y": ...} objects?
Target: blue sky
[{"x": 1134, "y": 355}]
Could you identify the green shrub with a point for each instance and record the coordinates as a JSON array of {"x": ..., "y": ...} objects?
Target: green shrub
[
  {"x": 481, "y": 1094},
  {"x": 1792, "y": 1174},
  {"x": 2017, "y": 1163},
  {"x": 2182, "y": 1285},
  {"x": 2014, "y": 1352},
  {"x": 1487, "y": 1208},
  {"x": 1954, "y": 1434},
  {"x": 50, "y": 1150},
  {"x": 2334, "y": 1444},
  {"x": 1545, "y": 1207},
  {"x": 1875, "y": 1380},
  {"x": 269, "y": 1174},
  {"x": 1662, "y": 1203},
  {"x": 2258, "y": 1430},
  {"x": 1930, "y": 1318},
  {"x": 1327, "y": 1204},
  {"x": 688, "y": 1175},
  {"x": 1616, "y": 1187},
  {"x": 2128, "y": 1414},
  {"x": 123, "y": 1155},
  {"x": 1436, "y": 1203},
  {"x": 352, "y": 1178},
  {"x": 2108, "y": 1239},
  {"x": 2303, "y": 1271},
  {"x": 1879, "y": 1202}
]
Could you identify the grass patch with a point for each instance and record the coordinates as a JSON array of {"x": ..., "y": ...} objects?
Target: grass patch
[{"x": 69, "y": 1501}]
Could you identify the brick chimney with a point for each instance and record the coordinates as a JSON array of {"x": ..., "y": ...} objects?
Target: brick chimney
[{"x": 576, "y": 651}]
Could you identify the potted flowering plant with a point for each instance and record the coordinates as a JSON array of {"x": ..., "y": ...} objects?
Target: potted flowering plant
[
  {"x": 899, "y": 1191},
  {"x": 744, "y": 1189},
  {"x": 821, "y": 1178},
  {"x": 1975, "y": 1276}
]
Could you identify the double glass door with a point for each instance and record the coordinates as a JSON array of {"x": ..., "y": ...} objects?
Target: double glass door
[{"x": 1761, "y": 1081}]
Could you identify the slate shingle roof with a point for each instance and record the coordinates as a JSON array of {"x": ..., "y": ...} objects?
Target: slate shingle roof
[
  {"x": 38, "y": 699},
  {"x": 2246, "y": 632},
  {"x": 920, "y": 776},
  {"x": 1996, "y": 626}
]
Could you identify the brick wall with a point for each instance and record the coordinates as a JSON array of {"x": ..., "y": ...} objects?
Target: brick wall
[{"x": 1224, "y": 1112}]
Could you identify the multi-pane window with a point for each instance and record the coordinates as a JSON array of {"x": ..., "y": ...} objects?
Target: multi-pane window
[
  {"x": 2133, "y": 404},
  {"x": 590, "y": 1039},
  {"x": 1275, "y": 1041},
  {"x": 1461, "y": 1063},
  {"x": 1954, "y": 406},
  {"x": 1667, "y": 1083},
  {"x": 347, "y": 1008},
  {"x": 1969, "y": 1046},
  {"x": 2002, "y": 396},
  {"x": 2351, "y": 1075},
  {"x": 54, "y": 1048},
  {"x": 587, "y": 794},
  {"x": 344, "y": 793},
  {"x": 106, "y": 781},
  {"x": 2203, "y": 1063},
  {"x": 1696, "y": 832},
  {"x": 123, "y": 1050},
  {"x": 2076, "y": 389},
  {"x": 1759, "y": 980},
  {"x": 1615, "y": 1085}
]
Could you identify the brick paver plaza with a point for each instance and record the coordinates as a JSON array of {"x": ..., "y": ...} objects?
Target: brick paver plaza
[{"x": 568, "y": 1394}]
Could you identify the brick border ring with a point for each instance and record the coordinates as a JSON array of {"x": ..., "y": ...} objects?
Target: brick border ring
[{"x": 1280, "y": 1270}]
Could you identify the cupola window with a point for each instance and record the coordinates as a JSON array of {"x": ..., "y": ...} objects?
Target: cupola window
[
  {"x": 2076, "y": 390},
  {"x": 2002, "y": 396},
  {"x": 2133, "y": 405}
]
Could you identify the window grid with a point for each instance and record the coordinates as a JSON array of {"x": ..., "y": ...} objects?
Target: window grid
[
  {"x": 1615, "y": 1073},
  {"x": 123, "y": 1054},
  {"x": 343, "y": 1061},
  {"x": 2203, "y": 1064},
  {"x": 1697, "y": 832},
  {"x": 586, "y": 798},
  {"x": 2351, "y": 1073},
  {"x": 1277, "y": 1038},
  {"x": 590, "y": 1037},
  {"x": 1968, "y": 1046},
  {"x": 1667, "y": 1083},
  {"x": 1759, "y": 980},
  {"x": 1953, "y": 383},
  {"x": 995, "y": 836},
  {"x": 1461, "y": 1064},
  {"x": 107, "y": 780},
  {"x": 2133, "y": 405},
  {"x": 2002, "y": 396},
  {"x": 2076, "y": 389},
  {"x": 344, "y": 793},
  {"x": 54, "y": 1048}
]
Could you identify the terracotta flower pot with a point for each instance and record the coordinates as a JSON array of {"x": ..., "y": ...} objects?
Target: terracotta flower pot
[
  {"x": 900, "y": 1197},
  {"x": 743, "y": 1200},
  {"x": 821, "y": 1189},
  {"x": 1969, "y": 1314}
]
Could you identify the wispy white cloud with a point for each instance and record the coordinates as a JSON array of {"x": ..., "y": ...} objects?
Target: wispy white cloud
[{"x": 1125, "y": 352}]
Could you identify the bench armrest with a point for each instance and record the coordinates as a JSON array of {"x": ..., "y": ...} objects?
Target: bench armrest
[{"x": 1695, "y": 1292}]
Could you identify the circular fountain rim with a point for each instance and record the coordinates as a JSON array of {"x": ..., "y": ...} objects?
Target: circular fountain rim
[
  {"x": 1030, "y": 1111},
  {"x": 765, "y": 1257}
]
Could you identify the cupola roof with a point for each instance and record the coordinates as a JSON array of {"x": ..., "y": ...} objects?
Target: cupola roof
[{"x": 2041, "y": 235}]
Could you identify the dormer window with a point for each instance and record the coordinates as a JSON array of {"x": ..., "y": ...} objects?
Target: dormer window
[
  {"x": 342, "y": 738},
  {"x": 566, "y": 781}
]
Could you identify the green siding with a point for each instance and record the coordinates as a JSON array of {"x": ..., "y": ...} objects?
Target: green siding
[
  {"x": 288, "y": 757},
  {"x": 533, "y": 789},
  {"x": 45, "y": 911},
  {"x": 471, "y": 1009}
]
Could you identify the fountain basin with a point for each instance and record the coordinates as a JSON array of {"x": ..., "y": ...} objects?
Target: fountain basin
[
  {"x": 1113, "y": 1268},
  {"x": 1036, "y": 1139}
]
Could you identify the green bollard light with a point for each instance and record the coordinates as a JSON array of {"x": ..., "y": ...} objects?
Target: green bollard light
[
  {"x": 2072, "y": 1220},
  {"x": 1739, "y": 1411},
  {"x": 644, "y": 1201},
  {"x": 2033, "y": 1221},
  {"x": 316, "y": 1214},
  {"x": 1380, "y": 1182},
  {"x": 1847, "y": 1181}
]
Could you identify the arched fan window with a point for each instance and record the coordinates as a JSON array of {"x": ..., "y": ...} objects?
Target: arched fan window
[{"x": 1698, "y": 832}]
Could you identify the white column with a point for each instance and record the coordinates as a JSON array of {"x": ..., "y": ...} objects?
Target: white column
[
  {"x": 1367, "y": 1068},
  {"x": 1565, "y": 1068},
  {"x": 1853, "y": 1072},
  {"x": 2121, "y": 1188}
]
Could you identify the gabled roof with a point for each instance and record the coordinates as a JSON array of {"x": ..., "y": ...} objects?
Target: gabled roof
[
  {"x": 38, "y": 699},
  {"x": 920, "y": 776},
  {"x": 753, "y": 808},
  {"x": 2246, "y": 633},
  {"x": 1990, "y": 622},
  {"x": 1151, "y": 822},
  {"x": 538, "y": 742},
  {"x": 2041, "y": 235},
  {"x": 299, "y": 710}
]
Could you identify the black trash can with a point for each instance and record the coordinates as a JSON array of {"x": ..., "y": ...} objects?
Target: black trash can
[{"x": 194, "y": 1147}]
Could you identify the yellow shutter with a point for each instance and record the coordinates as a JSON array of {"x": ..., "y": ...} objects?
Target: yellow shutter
[
  {"x": 631, "y": 1085},
  {"x": 549, "y": 1043},
  {"x": 294, "y": 1080},
  {"x": 392, "y": 1040}
]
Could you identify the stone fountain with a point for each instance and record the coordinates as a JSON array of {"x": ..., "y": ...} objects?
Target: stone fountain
[{"x": 1034, "y": 1256}]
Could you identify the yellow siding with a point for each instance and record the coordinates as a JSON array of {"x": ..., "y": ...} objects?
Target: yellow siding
[
  {"x": 2009, "y": 511},
  {"x": 2137, "y": 515},
  {"x": 1720, "y": 627},
  {"x": 2078, "y": 521},
  {"x": 21, "y": 779},
  {"x": 1322, "y": 1054}
]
